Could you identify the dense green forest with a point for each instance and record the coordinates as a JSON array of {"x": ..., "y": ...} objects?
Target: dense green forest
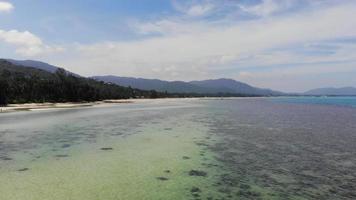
[{"x": 19, "y": 84}]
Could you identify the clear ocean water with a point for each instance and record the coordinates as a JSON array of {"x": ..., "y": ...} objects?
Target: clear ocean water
[
  {"x": 244, "y": 148},
  {"x": 337, "y": 101}
]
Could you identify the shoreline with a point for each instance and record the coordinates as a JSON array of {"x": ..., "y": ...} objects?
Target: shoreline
[
  {"x": 41, "y": 106},
  {"x": 68, "y": 105}
]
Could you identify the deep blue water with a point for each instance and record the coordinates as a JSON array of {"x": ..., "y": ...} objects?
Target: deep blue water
[{"x": 336, "y": 101}]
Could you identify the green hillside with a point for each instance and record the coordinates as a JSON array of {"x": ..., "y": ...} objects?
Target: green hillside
[{"x": 20, "y": 84}]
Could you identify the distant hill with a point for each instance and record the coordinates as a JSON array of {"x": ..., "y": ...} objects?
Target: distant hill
[
  {"x": 205, "y": 87},
  {"x": 38, "y": 65},
  {"x": 233, "y": 86},
  {"x": 150, "y": 84},
  {"x": 213, "y": 86},
  {"x": 35, "y": 64},
  {"x": 345, "y": 91}
]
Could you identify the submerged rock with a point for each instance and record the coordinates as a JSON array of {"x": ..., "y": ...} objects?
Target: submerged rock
[
  {"x": 195, "y": 190},
  {"x": 106, "y": 148},
  {"x": 161, "y": 178},
  {"x": 245, "y": 186},
  {"x": 196, "y": 196},
  {"x": 5, "y": 158},
  {"x": 23, "y": 169},
  {"x": 197, "y": 173},
  {"x": 201, "y": 144},
  {"x": 65, "y": 145}
]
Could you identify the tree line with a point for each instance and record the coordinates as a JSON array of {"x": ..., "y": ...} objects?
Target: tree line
[{"x": 20, "y": 84}]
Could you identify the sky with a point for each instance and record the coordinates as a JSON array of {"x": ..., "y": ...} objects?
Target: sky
[{"x": 286, "y": 45}]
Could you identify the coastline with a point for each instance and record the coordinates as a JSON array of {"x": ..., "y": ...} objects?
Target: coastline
[
  {"x": 68, "y": 105},
  {"x": 41, "y": 106}
]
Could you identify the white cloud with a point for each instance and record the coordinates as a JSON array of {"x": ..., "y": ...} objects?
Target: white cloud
[
  {"x": 195, "y": 53},
  {"x": 169, "y": 27},
  {"x": 20, "y": 38},
  {"x": 6, "y": 6},
  {"x": 26, "y": 43},
  {"x": 199, "y": 10},
  {"x": 193, "y": 9},
  {"x": 269, "y": 7},
  {"x": 264, "y": 44}
]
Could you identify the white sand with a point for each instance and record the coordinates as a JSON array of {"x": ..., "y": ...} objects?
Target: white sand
[{"x": 46, "y": 106}]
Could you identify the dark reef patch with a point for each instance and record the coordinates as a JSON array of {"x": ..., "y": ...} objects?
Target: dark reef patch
[
  {"x": 5, "y": 158},
  {"x": 116, "y": 134},
  {"x": 107, "y": 148},
  {"x": 201, "y": 144},
  {"x": 161, "y": 178},
  {"x": 65, "y": 145},
  {"x": 197, "y": 173},
  {"x": 23, "y": 169},
  {"x": 195, "y": 190},
  {"x": 276, "y": 151}
]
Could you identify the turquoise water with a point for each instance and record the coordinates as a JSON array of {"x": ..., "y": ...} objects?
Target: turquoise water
[
  {"x": 337, "y": 101},
  {"x": 243, "y": 148}
]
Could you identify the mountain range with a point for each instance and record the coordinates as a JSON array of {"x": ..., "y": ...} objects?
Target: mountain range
[
  {"x": 209, "y": 87},
  {"x": 212, "y": 86}
]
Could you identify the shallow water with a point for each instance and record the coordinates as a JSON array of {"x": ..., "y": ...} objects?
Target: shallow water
[
  {"x": 349, "y": 101},
  {"x": 180, "y": 149}
]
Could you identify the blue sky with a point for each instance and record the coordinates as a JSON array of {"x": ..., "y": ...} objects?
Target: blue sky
[{"x": 289, "y": 45}]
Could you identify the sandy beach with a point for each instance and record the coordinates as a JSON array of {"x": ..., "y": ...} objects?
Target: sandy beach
[
  {"x": 68, "y": 105},
  {"x": 41, "y": 106}
]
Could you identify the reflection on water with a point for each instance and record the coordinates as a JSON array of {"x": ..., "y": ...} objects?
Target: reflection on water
[{"x": 190, "y": 149}]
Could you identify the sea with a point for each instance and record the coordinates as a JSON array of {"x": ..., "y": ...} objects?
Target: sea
[
  {"x": 208, "y": 148},
  {"x": 322, "y": 100}
]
